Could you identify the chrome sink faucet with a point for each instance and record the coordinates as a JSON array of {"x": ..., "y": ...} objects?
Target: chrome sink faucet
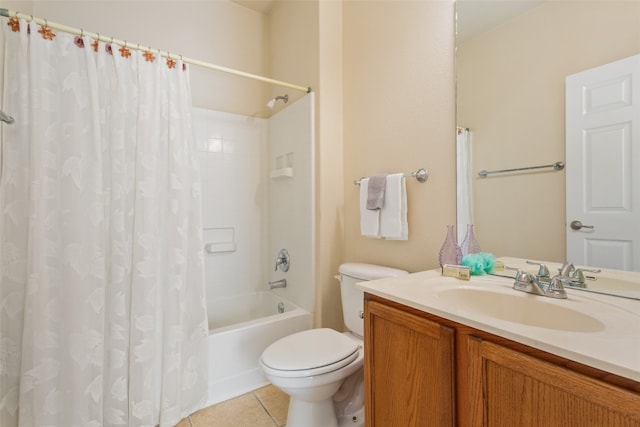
[
  {"x": 578, "y": 279},
  {"x": 566, "y": 269},
  {"x": 543, "y": 271},
  {"x": 553, "y": 288}
]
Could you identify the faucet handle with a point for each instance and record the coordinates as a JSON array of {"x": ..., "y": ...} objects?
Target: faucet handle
[
  {"x": 566, "y": 269},
  {"x": 283, "y": 261},
  {"x": 524, "y": 279},
  {"x": 527, "y": 282},
  {"x": 579, "y": 276},
  {"x": 556, "y": 287},
  {"x": 543, "y": 271}
]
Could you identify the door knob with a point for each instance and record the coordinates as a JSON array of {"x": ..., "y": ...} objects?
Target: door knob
[{"x": 577, "y": 225}]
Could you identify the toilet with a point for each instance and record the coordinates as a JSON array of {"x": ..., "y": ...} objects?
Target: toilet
[{"x": 322, "y": 369}]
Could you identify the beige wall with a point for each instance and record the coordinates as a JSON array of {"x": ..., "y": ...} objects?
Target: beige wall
[
  {"x": 399, "y": 117},
  {"x": 24, "y": 6},
  {"x": 382, "y": 72},
  {"x": 329, "y": 51},
  {"x": 329, "y": 173},
  {"x": 511, "y": 85},
  {"x": 314, "y": 56}
]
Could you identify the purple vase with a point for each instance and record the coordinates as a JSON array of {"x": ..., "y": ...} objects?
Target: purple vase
[
  {"x": 470, "y": 244},
  {"x": 450, "y": 252}
]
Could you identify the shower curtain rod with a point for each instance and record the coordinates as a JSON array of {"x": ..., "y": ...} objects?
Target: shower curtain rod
[{"x": 80, "y": 32}]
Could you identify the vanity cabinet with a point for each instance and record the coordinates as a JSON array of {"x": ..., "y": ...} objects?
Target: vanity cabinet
[
  {"x": 409, "y": 369},
  {"x": 509, "y": 388},
  {"x": 423, "y": 370}
]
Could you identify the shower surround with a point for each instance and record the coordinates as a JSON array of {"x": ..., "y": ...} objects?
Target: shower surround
[{"x": 257, "y": 198}]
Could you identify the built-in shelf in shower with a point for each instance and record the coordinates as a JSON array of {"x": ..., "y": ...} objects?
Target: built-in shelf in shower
[
  {"x": 283, "y": 166},
  {"x": 219, "y": 240}
]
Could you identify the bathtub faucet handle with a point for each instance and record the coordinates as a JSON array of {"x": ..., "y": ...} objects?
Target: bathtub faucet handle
[{"x": 283, "y": 261}]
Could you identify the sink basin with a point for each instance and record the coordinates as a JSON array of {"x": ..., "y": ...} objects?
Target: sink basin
[{"x": 521, "y": 308}]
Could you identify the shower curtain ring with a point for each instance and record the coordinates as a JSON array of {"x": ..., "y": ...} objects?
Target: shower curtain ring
[{"x": 82, "y": 32}]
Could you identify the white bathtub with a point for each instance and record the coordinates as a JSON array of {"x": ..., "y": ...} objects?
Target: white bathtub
[{"x": 240, "y": 329}]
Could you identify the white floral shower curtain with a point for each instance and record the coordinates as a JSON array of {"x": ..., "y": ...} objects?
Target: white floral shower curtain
[{"x": 102, "y": 309}]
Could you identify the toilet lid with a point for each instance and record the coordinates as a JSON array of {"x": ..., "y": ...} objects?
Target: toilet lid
[{"x": 310, "y": 349}]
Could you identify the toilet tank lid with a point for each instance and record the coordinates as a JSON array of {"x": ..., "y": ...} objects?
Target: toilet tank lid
[{"x": 369, "y": 271}]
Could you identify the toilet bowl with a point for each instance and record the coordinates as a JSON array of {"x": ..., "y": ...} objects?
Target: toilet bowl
[
  {"x": 322, "y": 369},
  {"x": 310, "y": 366}
]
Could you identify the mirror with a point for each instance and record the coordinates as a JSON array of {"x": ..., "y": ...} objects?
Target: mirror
[{"x": 512, "y": 58}]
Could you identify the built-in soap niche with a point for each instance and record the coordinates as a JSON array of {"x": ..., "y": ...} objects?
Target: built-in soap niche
[
  {"x": 219, "y": 240},
  {"x": 283, "y": 166}
]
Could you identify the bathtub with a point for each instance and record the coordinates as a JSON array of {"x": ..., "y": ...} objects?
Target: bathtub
[{"x": 240, "y": 329}]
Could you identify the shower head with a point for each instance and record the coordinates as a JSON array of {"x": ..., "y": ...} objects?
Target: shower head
[{"x": 272, "y": 103}]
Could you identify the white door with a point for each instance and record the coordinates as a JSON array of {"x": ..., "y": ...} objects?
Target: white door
[{"x": 603, "y": 165}]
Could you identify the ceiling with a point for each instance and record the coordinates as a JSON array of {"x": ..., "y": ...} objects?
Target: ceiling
[
  {"x": 262, "y": 6},
  {"x": 477, "y": 16}
]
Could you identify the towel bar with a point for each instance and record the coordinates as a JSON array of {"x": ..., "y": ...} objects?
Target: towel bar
[
  {"x": 421, "y": 175},
  {"x": 558, "y": 166}
]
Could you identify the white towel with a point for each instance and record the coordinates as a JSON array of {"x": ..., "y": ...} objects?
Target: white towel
[
  {"x": 393, "y": 216},
  {"x": 369, "y": 219}
]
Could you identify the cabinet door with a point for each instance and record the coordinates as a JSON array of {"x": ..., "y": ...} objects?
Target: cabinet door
[
  {"x": 511, "y": 389},
  {"x": 409, "y": 369}
]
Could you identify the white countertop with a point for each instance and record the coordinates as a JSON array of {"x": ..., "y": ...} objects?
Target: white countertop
[{"x": 615, "y": 348}]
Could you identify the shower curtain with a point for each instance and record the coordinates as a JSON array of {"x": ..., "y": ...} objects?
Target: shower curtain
[
  {"x": 463, "y": 181},
  {"x": 102, "y": 308}
]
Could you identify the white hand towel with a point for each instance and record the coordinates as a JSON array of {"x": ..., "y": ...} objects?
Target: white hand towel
[
  {"x": 393, "y": 216},
  {"x": 369, "y": 219}
]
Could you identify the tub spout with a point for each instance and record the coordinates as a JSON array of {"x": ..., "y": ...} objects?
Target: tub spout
[{"x": 282, "y": 283}]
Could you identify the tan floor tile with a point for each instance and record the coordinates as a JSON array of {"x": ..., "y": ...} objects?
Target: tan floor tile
[
  {"x": 275, "y": 401},
  {"x": 243, "y": 411},
  {"x": 184, "y": 423}
]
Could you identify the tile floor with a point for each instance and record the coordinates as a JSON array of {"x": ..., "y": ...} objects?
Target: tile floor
[{"x": 264, "y": 407}]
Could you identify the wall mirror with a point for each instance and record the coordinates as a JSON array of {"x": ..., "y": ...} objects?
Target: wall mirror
[{"x": 512, "y": 58}]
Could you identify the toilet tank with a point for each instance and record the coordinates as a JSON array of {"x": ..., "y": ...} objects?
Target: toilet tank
[{"x": 352, "y": 297}]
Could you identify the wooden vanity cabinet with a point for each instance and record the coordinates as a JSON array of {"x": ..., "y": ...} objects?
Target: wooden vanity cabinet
[
  {"x": 508, "y": 388},
  {"x": 409, "y": 369},
  {"x": 423, "y": 370}
]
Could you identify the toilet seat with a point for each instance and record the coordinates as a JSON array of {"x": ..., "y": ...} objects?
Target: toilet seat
[{"x": 308, "y": 353}]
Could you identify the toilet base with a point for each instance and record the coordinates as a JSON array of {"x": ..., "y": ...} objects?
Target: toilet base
[
  {"x": 349, "y": 401},
  {"x": 311, "y": 414}
]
